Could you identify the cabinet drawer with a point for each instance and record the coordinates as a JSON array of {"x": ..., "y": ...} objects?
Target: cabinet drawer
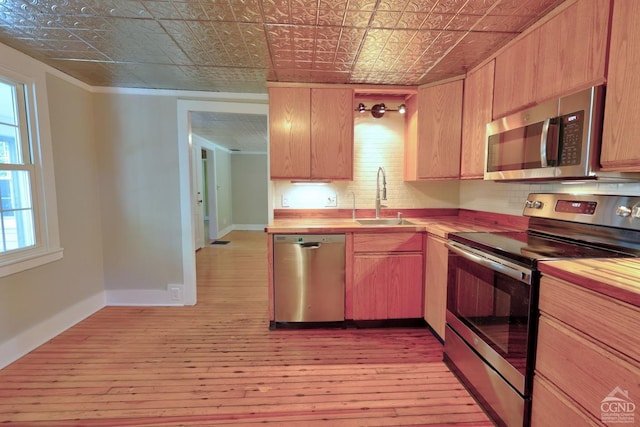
[
  {"x": 387, "y": 242},
  {"x": 605, "y": 319},
  {"x": 582, "y": 369},
  {"x": 552, "y": 407}
]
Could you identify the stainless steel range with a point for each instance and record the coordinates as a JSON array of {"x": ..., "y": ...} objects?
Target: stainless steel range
[{"x": 492, "y": 290}]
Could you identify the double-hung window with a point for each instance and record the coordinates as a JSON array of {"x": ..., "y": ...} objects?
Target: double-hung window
[
  {"x": 25, "y": 236},
  {"x": 16, "y": 170}
]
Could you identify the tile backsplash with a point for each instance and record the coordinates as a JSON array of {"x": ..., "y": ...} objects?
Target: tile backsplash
[
  {"x": 380, "y": 142},
  {"x": 509, "y": 198}
]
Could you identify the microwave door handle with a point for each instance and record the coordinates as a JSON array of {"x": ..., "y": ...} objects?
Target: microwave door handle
[
  {"x": 523, "y": 275},
  {"x": 544, "y": 140}
]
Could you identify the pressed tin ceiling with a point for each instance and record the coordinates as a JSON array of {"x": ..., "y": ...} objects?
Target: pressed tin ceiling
[
  {"x": 237, "y": 45},
  {"x": 238, "y": 132}
]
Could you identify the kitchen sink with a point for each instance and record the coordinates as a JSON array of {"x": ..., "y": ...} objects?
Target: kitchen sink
[{"x": 384, "y": 221}]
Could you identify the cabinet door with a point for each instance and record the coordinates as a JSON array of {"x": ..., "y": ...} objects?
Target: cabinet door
[
  {"x": 573, "y": 49},
  {"x": 435, "y": 292},
  {"x": 405, "y": 279},
  {"x": 620, "y": 149},
  {"x": 332, "y": 133},
  {"x": 387, "y": 286},
  {"x": 439, "y": 131},
  {"x": 515, "y": 73},
  {"x": 477, "y": 109},
  {"x": 369, "y": 293},
  {"x": 582, "y": 368},
  {"x": 289, "y": 133}
]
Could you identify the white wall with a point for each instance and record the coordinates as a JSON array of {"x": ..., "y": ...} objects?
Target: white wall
[
  {"x": 225, "y": 201},
  {"x": 249, "y": 180},
  {"x": 139, "y": 187},
  {"x": 37, "y": 304}
]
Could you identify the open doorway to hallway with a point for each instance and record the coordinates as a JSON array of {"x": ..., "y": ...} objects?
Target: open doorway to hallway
[{"x": 234, "y": 171}]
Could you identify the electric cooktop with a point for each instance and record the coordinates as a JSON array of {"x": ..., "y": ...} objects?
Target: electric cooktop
[{"x": 528, "y": 248}]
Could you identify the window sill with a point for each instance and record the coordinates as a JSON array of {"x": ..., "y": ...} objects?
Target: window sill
[{"x": 30, "y": 260}]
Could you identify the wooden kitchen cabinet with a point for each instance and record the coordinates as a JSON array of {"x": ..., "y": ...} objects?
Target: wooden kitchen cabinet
[
  {"x": 562, "y": 55},
  {"x": 587, "y": 350},
  {"x": 387, "y": 276},
  {"x": 477, "y": 112},
  {"x": 515, "y": 75},
  {"x": 435, "y": 149},
  {"x": 573, "y": 49},
  {"x": 311, "y": 133},
  {"x": 435, "y": 281},
  {"x": 332, "y": 133},
  {"x": 620, "y": 149},
  {"x": 290, "y": 132}
]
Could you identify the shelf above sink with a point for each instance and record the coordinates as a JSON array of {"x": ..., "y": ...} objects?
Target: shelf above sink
[{"x": 384, "y": 221}]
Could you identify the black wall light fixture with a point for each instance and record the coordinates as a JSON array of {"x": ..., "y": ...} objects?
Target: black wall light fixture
[{"x": 378, "y": 110}]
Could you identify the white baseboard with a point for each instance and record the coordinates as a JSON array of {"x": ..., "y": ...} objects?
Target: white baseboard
[
  {"x": 249, "y": 227},
  {"x": 225, "y": 231},
  {"x": 141, "y": 297},
  {"x": 16, "y": 347}
]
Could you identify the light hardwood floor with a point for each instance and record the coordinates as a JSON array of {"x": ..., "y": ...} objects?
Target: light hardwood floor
[{"x": 218, "y": 364}]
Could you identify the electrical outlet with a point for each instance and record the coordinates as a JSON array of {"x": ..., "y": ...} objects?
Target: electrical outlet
[
  {"x": 332, "y": 201},
  {"x": 285, "y": 201},
  {"x": 175, "y": 293}
]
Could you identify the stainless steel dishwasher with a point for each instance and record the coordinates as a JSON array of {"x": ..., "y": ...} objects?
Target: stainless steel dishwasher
[{"x": 309, "y": 277}]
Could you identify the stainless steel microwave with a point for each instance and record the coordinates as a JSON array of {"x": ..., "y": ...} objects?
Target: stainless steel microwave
[{"x": 557, "y": 140}]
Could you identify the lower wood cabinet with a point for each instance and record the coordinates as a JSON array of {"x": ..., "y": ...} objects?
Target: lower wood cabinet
[
  {"x": 588, "y": 356},
  {"x": 435, "y": 281},
  {"x": 387, "y": 276}
]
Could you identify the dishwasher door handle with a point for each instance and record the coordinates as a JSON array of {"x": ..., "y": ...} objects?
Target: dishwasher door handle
[{"x": 310, "y": 245}]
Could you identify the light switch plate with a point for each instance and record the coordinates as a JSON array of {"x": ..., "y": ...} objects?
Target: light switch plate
[{"x": 285, "y": 201}]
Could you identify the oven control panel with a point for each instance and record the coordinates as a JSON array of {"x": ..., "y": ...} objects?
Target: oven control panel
[
  {"x": 576, "y": 207},
  {"x": 597, "y": 209}
]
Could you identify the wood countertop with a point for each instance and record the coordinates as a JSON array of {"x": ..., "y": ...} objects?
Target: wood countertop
[
  {"x": 616, "y": 277},
  {"x": 438, "y": 225}
]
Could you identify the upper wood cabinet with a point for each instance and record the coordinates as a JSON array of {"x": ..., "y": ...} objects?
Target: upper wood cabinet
[
  {"x": 477, "y": 112},
  {"x": 515, "y": 75},
  {"x": 573, "y": 49},
  {"x": 434, "y": 153},
  {"x": 310, "y": 133},
  {"x": 562, "y": 55},
  {"x": 332, "y": 133},
  {"x": 620, "y": 149},
  {"x": 290, "y": 132}
]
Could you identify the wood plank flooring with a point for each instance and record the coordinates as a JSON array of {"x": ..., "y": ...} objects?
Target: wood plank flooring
[{"x": 218, "y": 364}]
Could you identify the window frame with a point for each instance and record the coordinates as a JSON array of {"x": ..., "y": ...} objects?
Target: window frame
[{"x": 43, "y": 197}]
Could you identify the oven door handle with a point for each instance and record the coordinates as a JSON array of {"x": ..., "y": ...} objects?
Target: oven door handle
[{"x": 513, "y": 271}]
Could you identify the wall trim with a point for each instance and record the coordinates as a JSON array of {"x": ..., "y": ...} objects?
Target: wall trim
[
  {"x": 16, "y": 347},
  {"x": 226, "y": 230},
  {"x": 250, "y": 227},
  {"x": 185, "y": 94},
  {"x": 140, "y": 297}
]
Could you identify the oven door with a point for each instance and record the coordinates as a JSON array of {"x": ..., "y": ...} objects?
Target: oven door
[{"x": 490, "y": 305}]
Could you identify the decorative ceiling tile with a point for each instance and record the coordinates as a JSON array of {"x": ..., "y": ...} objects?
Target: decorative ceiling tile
[{"x": 225, "y": 45}]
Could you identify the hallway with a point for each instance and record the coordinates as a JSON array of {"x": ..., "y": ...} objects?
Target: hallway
[{"x": 218, "y": 364}]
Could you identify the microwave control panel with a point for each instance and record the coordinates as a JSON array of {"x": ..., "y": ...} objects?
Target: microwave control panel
[{"x": 571, "y": 138}]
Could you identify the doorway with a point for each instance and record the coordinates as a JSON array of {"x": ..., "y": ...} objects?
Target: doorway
[{"x": 253, "y": 104}]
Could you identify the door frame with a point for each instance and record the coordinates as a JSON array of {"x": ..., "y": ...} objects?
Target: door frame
[{"x": 254, "y": 104}]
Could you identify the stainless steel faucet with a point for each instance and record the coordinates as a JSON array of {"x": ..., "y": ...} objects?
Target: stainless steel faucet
[{"x": 384, "y": 190}]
